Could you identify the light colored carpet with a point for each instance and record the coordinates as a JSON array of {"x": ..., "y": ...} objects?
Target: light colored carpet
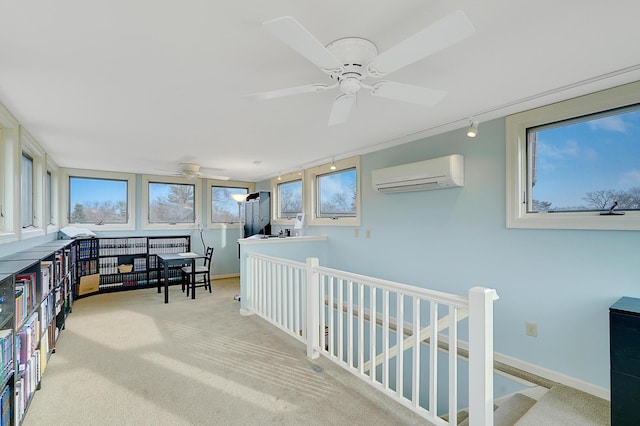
[
  {"x": 126, "y": 358},
  {"x": 565, "y": 406}
]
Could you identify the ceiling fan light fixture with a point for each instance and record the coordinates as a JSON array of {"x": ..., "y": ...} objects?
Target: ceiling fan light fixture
[{"x": 472, "y": 131}]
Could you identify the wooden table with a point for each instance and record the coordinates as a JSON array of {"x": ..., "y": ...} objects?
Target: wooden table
[{"x": 174, "y": 259}]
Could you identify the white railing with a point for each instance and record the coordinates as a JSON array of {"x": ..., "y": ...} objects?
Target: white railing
[{"x": 381, "y": 331}]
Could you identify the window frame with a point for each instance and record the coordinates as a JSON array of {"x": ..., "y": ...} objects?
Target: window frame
[
  {"x": 53, "y": 225},
  {"x": 131, "y": 206},
  {"x": 516, "y": 126},
  {"x": 9, "y": 167},
  {"x": 312, "y": 199},
  {"x": 229, "y": 184},
  {"x": 25, "y": 155},
  {"x": 146, "y": 179},
  {"x": 30, "y": 148},
  {"x": 275, "y": 197}
]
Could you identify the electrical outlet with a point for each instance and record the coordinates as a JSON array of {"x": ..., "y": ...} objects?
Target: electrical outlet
[
  {"x": 368, "y": 233},
  {"x": 356, "y": 233},
  {"x": 532, "y": 329}
]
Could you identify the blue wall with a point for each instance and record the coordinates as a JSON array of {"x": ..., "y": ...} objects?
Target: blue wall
[{"x": 454, "y": 239}]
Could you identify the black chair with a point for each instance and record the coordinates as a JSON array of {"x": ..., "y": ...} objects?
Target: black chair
[{"x": 201, "y": 276}]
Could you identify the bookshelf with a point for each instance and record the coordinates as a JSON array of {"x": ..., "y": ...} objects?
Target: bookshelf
[
  {"x": 7, "y": 305},
  {"x": 124, "y": 263},
  {"x": 36, "y": 297}
]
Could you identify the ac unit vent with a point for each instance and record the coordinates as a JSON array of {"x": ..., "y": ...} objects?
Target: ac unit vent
[{"x": 442, "y": 172}]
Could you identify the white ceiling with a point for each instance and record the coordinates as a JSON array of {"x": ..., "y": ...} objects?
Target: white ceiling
[{"x": 141, "y": 85}]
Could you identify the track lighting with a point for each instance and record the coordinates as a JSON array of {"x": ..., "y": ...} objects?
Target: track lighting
[
  {"x": 333, "y": 164},
  {"x": 472, "y": 131}
]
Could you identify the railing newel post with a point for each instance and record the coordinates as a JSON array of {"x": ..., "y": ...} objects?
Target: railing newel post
[{"x": 481, "y": 356}]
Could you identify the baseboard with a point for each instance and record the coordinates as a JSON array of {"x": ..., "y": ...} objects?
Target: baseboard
[
  {"x": 224, "y": 276},
  {"x": 544, "y": 373},
  {"x": 554, "y": 376}
]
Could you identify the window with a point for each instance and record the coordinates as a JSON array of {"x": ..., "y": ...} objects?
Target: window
[
  {"x": 224, "y": 209},
  {"x": 26, "y": 191},
  {"x": 47, "y": 200},
  {"x": 289, "y": 199},
  {"x": 89, "y": 190},
  {"x": 570, "y": 163},
  {"x": 171, "y": 203},
  {"x": 97, "y": 201},
  {"x": 579, "y": 164},
  {"x": 335, "y": 194}
]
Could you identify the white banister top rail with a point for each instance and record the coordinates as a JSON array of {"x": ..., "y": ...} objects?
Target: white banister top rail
[
  {"x": 278, "y": 260},
  {"x": 432, "y": 295}
]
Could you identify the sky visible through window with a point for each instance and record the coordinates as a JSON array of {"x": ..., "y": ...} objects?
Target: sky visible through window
[
  {"x": 88, "y": 190},
  {"x": 601, "y": 154}
]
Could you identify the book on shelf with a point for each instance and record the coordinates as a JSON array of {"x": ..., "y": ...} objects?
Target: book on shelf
[
  {"x": 46, "y": 272},
  {"x": 5, "y": 405},
  {"x": 27, "y": 282},
  {"x": 6, "y": 352}
]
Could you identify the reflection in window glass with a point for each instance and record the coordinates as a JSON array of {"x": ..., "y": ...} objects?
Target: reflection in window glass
[
  {"x": 337, "y": 194},
  {"x": 171, "y": 203},
  {"x": 224, "y": 209},
  {"x": 94, "y": 200},
  {"x": 26, "y": 190},
  {"x": 585, "y": 164},
  {"x": 290, "y": 199}
]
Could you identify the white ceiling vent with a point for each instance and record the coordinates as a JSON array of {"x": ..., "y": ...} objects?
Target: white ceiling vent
[{"x": 442, "y": 172}]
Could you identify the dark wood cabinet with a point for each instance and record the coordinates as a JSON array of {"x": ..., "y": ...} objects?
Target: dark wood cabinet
[
  {"x": 257, "y": 214},
  {"x": 624, "y": 334}
]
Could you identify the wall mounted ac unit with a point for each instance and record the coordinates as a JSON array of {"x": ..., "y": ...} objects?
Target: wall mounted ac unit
[{"x": 442, "y": 172}]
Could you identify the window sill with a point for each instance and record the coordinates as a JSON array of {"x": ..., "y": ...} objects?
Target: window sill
[
  {"x": 31, "y": 233},
  {"x": 630, "y": 221},
  {"x": 8, "y": 237}
]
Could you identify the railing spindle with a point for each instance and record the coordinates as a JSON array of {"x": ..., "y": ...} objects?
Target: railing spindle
[
  {"x": 453, "y": 365},
  {"x": 433, "y": 359},
  {"x": 372, "y": 334}
]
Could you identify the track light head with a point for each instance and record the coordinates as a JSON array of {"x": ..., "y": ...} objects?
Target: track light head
[{"x": 472, "y": 131}]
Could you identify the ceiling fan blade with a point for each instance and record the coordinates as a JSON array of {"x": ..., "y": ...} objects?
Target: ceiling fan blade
[
  {"x": 443, "y": 33},
  {"x": 309, "y": 88},
  {"x": 292, "y": 33},
  {"x": 214, "y": 177},
  {"x": 341, "y": 109},
  {"x": 408, "y": 93}
]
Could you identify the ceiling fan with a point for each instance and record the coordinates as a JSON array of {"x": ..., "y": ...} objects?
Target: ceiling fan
[
  {"x": 194, "y": 171},
  {"x": 349, "y": 61}
]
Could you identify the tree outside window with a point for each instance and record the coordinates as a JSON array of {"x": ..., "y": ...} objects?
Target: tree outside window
[
  {"x": 171, "y": 203},
  {"x": 224, "y": 209}
]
